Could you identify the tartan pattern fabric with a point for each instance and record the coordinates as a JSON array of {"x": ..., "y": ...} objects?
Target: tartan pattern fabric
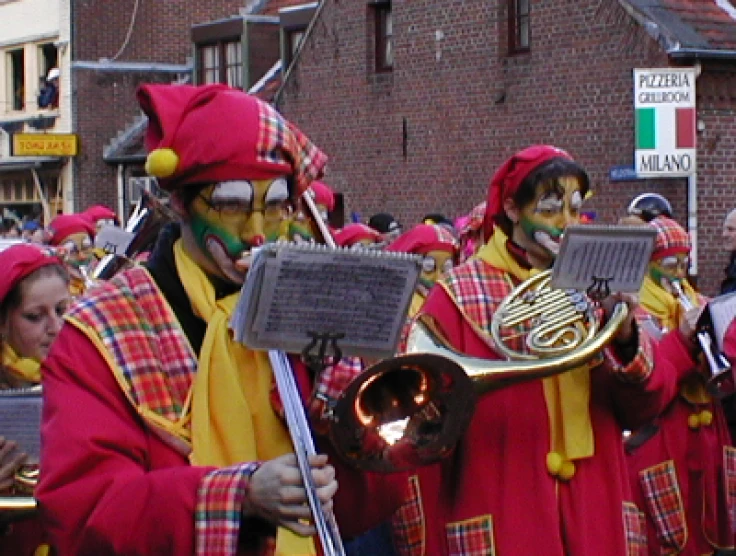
[
  {"x": 478, "y": 289},
  {"x": 136, "y": 325},
  {"x": 641, "y": 366},
  {"x": 280, "y": 141},
  {"x": 664, "y": 502},
  {"x": 635, "y": 529},
  {"x": 217, "y": 514},
  {"x": 729, "y": 472},
  {"x": 472, "y": 537},
  {"x": 408, "y": 522},
  {"x": 671, "y": 238}
]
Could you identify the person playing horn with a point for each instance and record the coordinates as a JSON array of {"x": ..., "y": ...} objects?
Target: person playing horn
[
  {"x": 679, "y": 462},
  {"x": 34, "y": 294},
  {"x": 541, "y": 468},
  {"x": 161, "y": 434}
]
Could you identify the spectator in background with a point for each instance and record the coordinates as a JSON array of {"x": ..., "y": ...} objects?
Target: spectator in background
[
  {"x": 48, "y": 96},
  {"x": 386, "y": 224}
]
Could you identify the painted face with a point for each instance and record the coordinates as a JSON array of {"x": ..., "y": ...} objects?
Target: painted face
[
  {"x": 229, "y": 218},
  {"x": 78, "y": 249},
  {"x": 31, "y": 328},
  {"x": 434, "y": 265},
  {"x": 729, "y": 232},
  {"x": 555, "y": 206},
  {"x": 672, "y": 268}
]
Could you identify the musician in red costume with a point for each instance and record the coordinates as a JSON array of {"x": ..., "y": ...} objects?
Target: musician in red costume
[
  {"x": 161, "y": 435},
  {"x": 439, "y": 250},
  {"x": 683, "y": 468},
  {"x": 541, "y": 469},
  {"x": 34, "y": 294}
]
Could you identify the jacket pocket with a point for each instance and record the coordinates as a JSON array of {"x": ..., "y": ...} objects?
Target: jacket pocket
[
  {"x": 635, "y": 529},
  {"x": 729, "y": 472},
  {"x": 471, "y": 537},
  {"x": 408, "y": 523},
  {"x": 664, "y": 503}
]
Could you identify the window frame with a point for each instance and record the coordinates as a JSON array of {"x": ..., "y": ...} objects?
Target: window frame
[
  {"x": 16, "y": 104},
  {"x": 223, "y": 66},
  {"x": 519, "y": 20},
  {"x": 383, "y": 37}
]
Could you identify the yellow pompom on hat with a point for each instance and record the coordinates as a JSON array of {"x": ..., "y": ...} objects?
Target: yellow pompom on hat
[{"x": 213, "y": 133}]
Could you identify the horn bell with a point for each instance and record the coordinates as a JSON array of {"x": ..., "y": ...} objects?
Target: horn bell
[{"x": 411, "y": 410}]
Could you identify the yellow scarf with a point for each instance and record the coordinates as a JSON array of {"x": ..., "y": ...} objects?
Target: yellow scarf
[
  {"x": 663, "y": 305},
  {"x": 666, "y": 308},
  {"x": 567, "y": 394},
  {"x": 232, "y": 417},
  {"x": 22, "y": 368}
]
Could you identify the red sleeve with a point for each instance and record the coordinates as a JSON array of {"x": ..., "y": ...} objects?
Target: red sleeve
[
  {"x": 637, "y": 403},
  {"x": 98, "y": 493}
]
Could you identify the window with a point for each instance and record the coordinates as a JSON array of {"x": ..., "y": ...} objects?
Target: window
[
  {"x": 17, "y": 74},
  {"x": 48, "y": 58},
  {"x": 221, "y": 62},
  {"x": 384, "y": 38},
  {"x": 293, "y": 38},
  {"x": 519, "y": 26}
]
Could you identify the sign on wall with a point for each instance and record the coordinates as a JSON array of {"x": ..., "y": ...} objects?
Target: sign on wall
[
  {"x": 664, "y": 102},
  {"x": 45, "y": 144}
]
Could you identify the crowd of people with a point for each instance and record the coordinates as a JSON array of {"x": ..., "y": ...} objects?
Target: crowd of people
[{"x": 163, "y": 435}]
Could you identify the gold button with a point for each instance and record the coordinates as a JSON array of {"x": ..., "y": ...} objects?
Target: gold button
[
  {"x": 706, "y": 418},
  {"x": 693, "y": 421}
]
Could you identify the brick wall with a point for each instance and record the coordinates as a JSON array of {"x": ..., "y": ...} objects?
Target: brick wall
[
  {"x": 465, "y": 106},
  {"x": 105, "y": 101}
]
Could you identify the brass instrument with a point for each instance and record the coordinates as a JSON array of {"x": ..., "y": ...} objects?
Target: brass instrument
[
  {"x": 719, "y": 365},
  {"x": 148, "y": 217},
  {"x": 412, "y": 409}
]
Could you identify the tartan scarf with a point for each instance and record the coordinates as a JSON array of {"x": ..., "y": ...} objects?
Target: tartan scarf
[
  {"x": 567, "y": 394},
  {"x": 232, "y": 417},
  {"x": 23, "y": 368}
]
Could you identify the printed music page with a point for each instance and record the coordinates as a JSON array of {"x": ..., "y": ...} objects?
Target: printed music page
[
  {"x": 293, "y": 290},
  {"x": 614, "y": 258}
]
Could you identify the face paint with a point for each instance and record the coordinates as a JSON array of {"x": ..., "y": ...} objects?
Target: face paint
[
  {"x": 672, "y": 268},
  {"x": 78, "y": 249},
  {"x": 435, "y": 265},
  {"x": 553, "y": 209},
  {"x": 229, "y": 218}
]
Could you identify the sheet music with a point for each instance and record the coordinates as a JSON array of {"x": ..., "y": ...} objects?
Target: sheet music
[
  {"x": 20, "y": 415},
  {"x": 722, "y": 311},
  {"x": 292, "y": 290},
  {"x": 113, "y": 240},
  {"x": 617, "y": 255}
]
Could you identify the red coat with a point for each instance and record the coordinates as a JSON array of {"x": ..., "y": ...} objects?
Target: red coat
[
  {"x": 110, "y": 485},
  {"x": 495, "y": 496}
]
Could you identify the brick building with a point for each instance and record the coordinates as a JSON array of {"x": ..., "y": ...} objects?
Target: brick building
[
  {"x": 417, "y": 102},
  {"x": 117, "y": 46}
]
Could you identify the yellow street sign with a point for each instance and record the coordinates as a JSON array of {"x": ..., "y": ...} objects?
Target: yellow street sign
[{"x": 45, "y": 144}]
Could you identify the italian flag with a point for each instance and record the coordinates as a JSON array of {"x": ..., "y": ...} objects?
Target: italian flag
[{"x": 658, "y": 128}]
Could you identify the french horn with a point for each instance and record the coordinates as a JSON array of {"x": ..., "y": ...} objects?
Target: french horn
[{"x": 411, "y": 410}]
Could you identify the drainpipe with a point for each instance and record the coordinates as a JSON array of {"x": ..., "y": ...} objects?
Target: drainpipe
[{"x": 121, "y": 193}]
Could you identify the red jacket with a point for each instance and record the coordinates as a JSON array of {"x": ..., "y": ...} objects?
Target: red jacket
[
  {"x": 494, "y": 495},
  {"x": 110, "y": 485}
]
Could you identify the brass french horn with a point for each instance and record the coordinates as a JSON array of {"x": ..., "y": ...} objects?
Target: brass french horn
[{"x": 412, "y": 409}]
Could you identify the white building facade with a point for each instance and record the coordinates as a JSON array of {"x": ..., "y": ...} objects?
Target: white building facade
[{"x": 36, "y": 139}]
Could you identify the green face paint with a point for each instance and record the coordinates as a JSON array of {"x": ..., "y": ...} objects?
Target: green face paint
[{"x": 202, "y": 229}]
